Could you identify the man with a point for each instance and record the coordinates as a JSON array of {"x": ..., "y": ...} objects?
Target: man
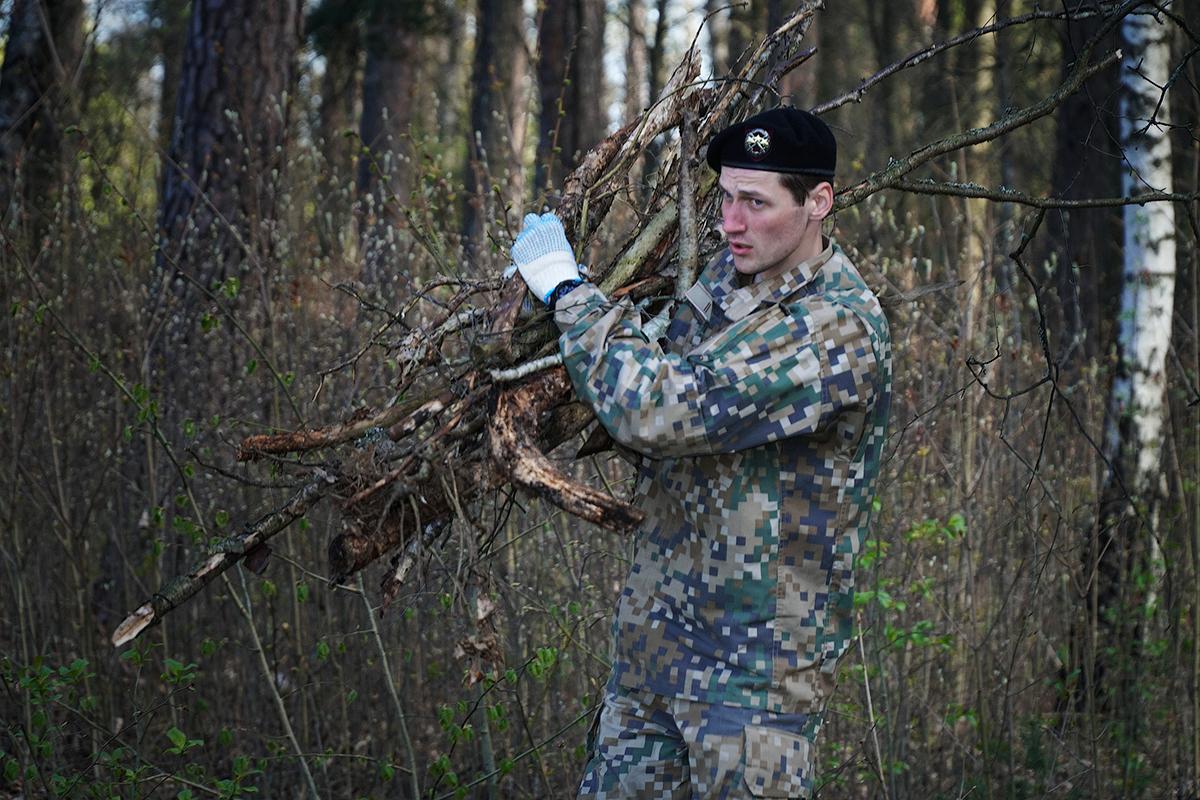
[{"x": 760, "y": 423}]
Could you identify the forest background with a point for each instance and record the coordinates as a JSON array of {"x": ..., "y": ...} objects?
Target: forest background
[{"x": 227, "y": 218}]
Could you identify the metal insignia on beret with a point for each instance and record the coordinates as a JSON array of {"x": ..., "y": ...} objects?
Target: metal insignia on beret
[{"x": 758, "y": 143}]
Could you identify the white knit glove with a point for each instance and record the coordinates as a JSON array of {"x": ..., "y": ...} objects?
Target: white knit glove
[{"x": 543, "y": 255}]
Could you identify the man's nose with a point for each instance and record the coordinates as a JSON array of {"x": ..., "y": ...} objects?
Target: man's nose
[{"x": 732, "y": 220}]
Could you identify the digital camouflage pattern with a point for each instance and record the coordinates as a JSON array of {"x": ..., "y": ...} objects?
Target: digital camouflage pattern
[
  {"x": 645, "y": 745},
  {"x": 760, "y": 421}
]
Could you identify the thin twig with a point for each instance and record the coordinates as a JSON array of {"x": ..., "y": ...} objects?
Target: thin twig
[
  {"x": 1005, "y": 195},
  {"x": 862, "y": 653},
  {"x": 269, "y": 677}
]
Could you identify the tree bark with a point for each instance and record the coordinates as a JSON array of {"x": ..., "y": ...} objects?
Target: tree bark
[
  {"x": 747, "y": 24},
  {"x": 1125, "y": 562},
  {"x": 336, "y": 32},
  {"x": 170, "y": 26},
  {"x": 496, "y": 136},
  {"x": 389, "y": 95},
  {"x": 570, "y": 86},
  {"x": 221, "y": 181},
  {"x": 1086, "y": 246},
  {"x": 41, "y": 58},
  {"x": 636, "y": 67}
]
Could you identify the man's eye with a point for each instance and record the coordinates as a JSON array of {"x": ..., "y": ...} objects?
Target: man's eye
[{"x": 756, "y": 203}]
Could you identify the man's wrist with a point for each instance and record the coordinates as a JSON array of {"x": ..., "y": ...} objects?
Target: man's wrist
[{"x": 562, "y": 290}]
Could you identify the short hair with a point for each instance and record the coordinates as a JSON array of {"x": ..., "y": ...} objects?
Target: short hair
[{"x": 800, "y": 185}]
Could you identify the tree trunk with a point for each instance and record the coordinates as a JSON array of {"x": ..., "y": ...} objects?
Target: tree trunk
[
  {"x": 883, "y": 23},
  {"x": 336, "y": 32},
  {"x": 170, "y": 26},
  {"x": 41, "y": 58},
  {"x": 636, "y": 73},
  {"x": 570, "y": 88},
  {"x": 1086, "y": 246},
  {"x": 657, "y": 76},
  {"x": 496, "y": 136},
  {"x": 1133, "y": 438},
  {"x": 388, "y": 102},
  {"x": 718, "y": 37},
  {"x": 221, "y": 181},
  {"x": 747, "y": 22}
]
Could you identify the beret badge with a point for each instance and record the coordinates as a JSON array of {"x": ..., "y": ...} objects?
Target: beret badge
[{"x": 758, "y": 144}]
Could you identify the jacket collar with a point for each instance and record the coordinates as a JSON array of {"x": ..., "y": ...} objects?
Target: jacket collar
[{"x": 738, "y": 302}]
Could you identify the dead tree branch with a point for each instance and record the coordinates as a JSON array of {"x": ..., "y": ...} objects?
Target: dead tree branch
[
  {"x": 250, "y": 544},
  {"x": 1006, "y": 195}
]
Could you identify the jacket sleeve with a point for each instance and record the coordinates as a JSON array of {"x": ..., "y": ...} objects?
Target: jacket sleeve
[{"x": 784, "y": 371}]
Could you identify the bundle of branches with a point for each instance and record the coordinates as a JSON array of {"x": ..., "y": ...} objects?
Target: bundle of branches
[{"x": 401, "y": 474}]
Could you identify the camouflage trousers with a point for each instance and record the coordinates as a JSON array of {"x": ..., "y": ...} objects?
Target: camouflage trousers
[{"x": 645, "y": 745}]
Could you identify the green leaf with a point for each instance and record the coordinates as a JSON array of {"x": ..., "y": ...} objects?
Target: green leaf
[{"x": 178, "y": 738}]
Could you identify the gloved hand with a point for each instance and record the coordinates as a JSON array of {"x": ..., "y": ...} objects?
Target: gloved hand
[{"x": 543, "y": 255}]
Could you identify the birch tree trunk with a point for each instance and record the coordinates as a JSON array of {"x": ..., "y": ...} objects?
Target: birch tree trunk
[
  {"x": 1125, "y": 578},
  {"x": 1149, "y": 276}
]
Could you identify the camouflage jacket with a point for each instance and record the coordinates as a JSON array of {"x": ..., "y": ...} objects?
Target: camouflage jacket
[{"x": 760, "y": 420}]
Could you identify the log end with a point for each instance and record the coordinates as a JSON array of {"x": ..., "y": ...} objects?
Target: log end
[{"x": 133, "y": 625}]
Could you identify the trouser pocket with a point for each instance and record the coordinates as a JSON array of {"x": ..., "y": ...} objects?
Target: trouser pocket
[{"x": 778, "y": 763}]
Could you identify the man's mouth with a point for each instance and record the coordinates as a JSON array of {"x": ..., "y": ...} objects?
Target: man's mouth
[{"x": 739, "y": 248}]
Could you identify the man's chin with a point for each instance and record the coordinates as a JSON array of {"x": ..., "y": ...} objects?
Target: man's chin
[{"x": 746, "y": 266}]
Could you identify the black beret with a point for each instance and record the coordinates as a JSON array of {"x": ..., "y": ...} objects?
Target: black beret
[{"x": 779, "y": 140}]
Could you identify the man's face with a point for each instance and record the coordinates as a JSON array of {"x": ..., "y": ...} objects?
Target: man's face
[{"x": 767, "y": 230}]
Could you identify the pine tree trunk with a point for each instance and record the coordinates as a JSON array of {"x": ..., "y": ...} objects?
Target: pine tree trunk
[
  {"x": 385, "y": 166},
  {"x": 1085, "y": 242},
  {"x": 171, "y": 22},
  {"x": 570, "y": 87},
  {"x": 496, "y": 134},
  {"x": 41, "y": 56},
  {"x": 337, "y": 37},
  {"x": 221, "y": 181},
  {"x": 635, "y": 60}
]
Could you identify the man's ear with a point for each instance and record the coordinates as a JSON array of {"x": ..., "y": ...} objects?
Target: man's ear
[{"x": 821, "y": 198}]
